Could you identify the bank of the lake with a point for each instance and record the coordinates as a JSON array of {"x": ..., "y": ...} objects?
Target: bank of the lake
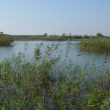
[{"x": 45, "y": 37}]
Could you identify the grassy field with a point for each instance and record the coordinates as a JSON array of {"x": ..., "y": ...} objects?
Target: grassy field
[
  {"x": 100, "y": 45},
  {"x": 5, "y": 40},
  {"x": 36, "y": 85}
]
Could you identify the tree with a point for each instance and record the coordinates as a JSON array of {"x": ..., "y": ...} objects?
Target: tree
[
  {"x": 45, "y": 34},
  {"x": 99, "y": 35}
]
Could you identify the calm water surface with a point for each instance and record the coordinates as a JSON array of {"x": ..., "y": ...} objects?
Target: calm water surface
[{"x": 68, "y": 51}]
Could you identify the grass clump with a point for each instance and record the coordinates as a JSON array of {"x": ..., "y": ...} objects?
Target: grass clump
[
  {"x": 101, "y": 45},
  {"x": 5, "y": 41},
  {"x": 36, "y": 85}
]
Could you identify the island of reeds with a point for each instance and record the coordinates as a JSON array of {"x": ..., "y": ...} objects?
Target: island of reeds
[{"x": 6, "y": 40}]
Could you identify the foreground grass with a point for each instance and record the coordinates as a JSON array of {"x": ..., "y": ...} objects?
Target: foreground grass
[
  {"x": 36, "y": 85},
  {"x": 101, "y": 45},
  {"x": 5, "y": 41}
]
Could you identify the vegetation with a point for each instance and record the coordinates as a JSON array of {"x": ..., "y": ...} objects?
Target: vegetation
[
  {"x": 5, "y": 40},
  {"x": 44, "y": 37},
  {"x": 40, "y": 85},
  {"x": 101, "y": 45},
  {"x": 47, "y": 37}
]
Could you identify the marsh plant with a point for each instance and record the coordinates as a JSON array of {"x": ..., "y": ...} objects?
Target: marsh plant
[
  {"x": 100, "y": 45},
  {"x": 41, "y": 85},
  {"x": 5, "y": 40}
]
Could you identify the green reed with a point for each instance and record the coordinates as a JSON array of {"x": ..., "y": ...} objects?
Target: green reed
[
  {"x": 100, "y": 45},
  {"x": 32, "y": 85},
  {"x": 5, "y": 41}
]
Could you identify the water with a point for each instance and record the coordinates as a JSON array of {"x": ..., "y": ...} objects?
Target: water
[{"x": 69, "y": 52}]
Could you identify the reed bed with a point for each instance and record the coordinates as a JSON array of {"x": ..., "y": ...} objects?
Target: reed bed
[
  {"x": 100, "y": 45},
  {"x": 5, "y": 41},
  {"x": 39, "y": 85}
]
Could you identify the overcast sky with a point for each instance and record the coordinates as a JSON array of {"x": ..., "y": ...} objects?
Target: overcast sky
[{"x": 55, "y": 16}]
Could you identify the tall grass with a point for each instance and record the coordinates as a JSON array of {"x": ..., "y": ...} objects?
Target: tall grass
[
  {"x": 32, "y": 85},
  {"x": 101, "y": 45},
  {"x": 5, "y": 41}
]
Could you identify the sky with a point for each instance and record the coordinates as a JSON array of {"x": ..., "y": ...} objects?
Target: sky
[{"x": 78, "y": 17}]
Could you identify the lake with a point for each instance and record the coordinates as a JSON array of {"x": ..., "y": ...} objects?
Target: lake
[{"x": 68, "y": 51}]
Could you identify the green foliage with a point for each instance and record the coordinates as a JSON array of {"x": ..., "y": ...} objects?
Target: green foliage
[
  {"x": 5, "y": 40},
  {"x": 101, "y": 45},
  {"x": 32, "y": 86}
]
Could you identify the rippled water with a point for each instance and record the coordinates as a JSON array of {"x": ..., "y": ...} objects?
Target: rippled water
[{"x": 68, "y": 51}]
